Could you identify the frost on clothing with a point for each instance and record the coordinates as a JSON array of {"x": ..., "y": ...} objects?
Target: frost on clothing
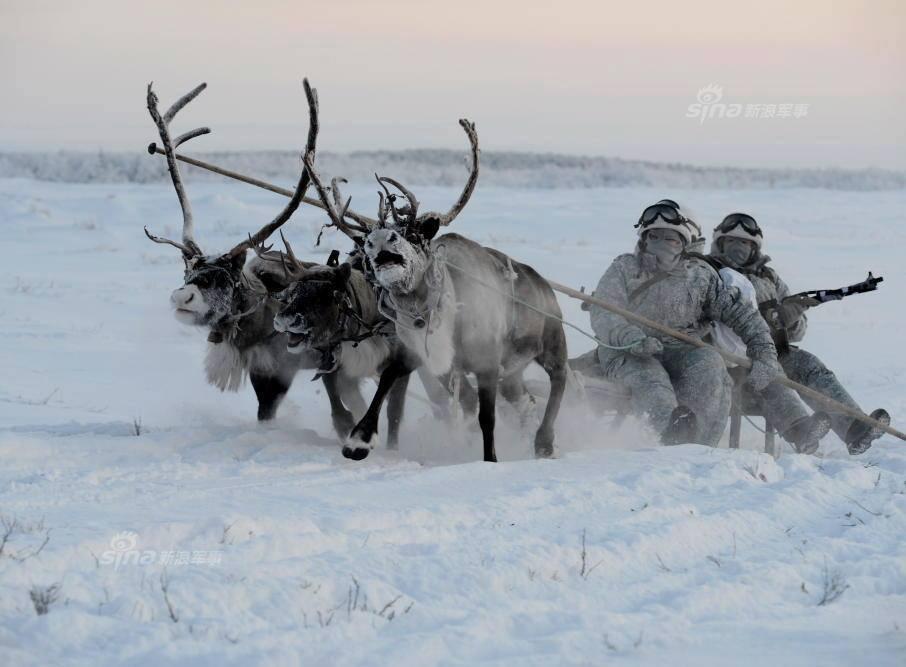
[
  {"x": 780, "y": 403},
  {"x": 768, "y": 286},
  {"x": 801, "y": 366},
  {"x": 687, "y": 298}
]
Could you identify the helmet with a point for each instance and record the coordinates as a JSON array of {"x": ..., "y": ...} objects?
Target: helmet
[
  {"x": 740, "y": 226},
  {"x": 666, "y": 214}
]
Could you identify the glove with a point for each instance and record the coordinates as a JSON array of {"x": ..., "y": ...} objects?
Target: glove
[
  {"x": 647, "y": 347},
  {"x": 762, "y": 374},
  {"x": 790, "y": 313}
]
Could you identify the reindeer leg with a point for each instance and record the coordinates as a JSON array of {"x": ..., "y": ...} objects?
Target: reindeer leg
[
  {"x": 487, "y": 405},
  {"x": 270, "y": 391},
  {"x": 438, "y": 394},
  {"x": 468, "y": 397},
  {"x": 351, "y": 394},
  {"x": 359, "y": 441},
  {"x": 343, "y": 421},
  {"x": 396, "y": 401},
  {"x": 553, "y": 360}
]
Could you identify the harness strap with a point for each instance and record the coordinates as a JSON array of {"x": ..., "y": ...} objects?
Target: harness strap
[{"x": 641, "y": 289}]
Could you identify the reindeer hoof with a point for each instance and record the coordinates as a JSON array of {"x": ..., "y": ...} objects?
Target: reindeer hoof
[
  {"x": 544, "y": 446},
  {"x": 544, "y": 452},
  {"x": 355, "y": 453}
]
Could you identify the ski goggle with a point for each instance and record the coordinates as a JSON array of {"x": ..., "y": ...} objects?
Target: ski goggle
[
  {"x": 744, "y": 220},
  {"x": 665, "y": 212},
  {"x": 669, "y": 202}
]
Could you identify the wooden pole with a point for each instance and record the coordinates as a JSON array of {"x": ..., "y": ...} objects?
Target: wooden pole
[
  {"x": 829, "y": 403},
  {"x": 155, "y": 149}
]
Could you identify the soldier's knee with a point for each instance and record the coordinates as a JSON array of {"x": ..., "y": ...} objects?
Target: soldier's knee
[
  {"x": 807, "y": 367},
  {"x": 639, "y": 374},
  {"x": 710, "y": 366}
]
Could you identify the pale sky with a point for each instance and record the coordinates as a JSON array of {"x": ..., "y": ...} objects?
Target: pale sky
[{"x": 573, "y": 76}]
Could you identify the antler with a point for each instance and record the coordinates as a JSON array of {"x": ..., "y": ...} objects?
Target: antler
[
  {"x": 411, "y": 211},
  {"x": 332, "y": 203},
  {"x": 188, "y": 246},
  {"x": 292, "y": 267},
  {"x": 447, "y": 218},
  {"x": 299, "y": 193}
]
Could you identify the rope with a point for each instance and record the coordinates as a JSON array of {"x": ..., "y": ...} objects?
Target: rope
[
  {"x": 754, "y": 425},
  {"x": 542, "y": 312}
]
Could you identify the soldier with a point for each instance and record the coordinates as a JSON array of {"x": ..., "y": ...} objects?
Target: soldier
[
  {"x": 737, "y": 243},
  {"x": 684, "y": 390}
]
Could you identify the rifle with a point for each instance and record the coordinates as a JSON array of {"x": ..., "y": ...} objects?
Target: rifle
[{"x": 772, "y": 312}]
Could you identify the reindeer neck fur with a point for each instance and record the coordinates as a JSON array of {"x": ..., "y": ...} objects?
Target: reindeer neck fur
[
  {"x": 243, "y": 343},
  {"x": 433, "y": 301}
]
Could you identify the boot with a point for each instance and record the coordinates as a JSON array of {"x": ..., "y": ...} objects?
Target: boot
[
  {"x": 860, "y": 435},
  {"x": 682, "y": 428},
  {"x": 805, "y": 434}
]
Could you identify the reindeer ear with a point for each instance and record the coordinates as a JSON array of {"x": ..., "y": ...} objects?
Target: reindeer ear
[
  {"x": 342, "y": 273},
  {"x": 334, "y": 259},
  {"x": 238, "y": 262},
  {"x": 428, "y": 227}
]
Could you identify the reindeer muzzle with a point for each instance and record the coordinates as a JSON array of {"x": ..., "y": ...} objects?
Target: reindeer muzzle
[{"x": 387, "y": 258}]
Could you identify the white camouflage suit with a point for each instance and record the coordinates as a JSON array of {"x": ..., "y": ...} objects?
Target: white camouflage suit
[{"x": 688, "y": 298}]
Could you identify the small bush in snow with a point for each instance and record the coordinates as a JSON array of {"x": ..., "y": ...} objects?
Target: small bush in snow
[
  {"x": 42, "y": 597},
  {"x": 834, "y": 586}
]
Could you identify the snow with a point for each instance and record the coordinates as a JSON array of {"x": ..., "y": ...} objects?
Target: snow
[{"x": 693, "y": 555}]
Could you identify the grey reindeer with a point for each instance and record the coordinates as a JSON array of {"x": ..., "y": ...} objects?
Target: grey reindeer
[
  {"x": 230, "y": 296},
  {"x": 457, "y": 308}
]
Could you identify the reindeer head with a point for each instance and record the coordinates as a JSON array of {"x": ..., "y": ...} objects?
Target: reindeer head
[
  {"x": 210, "y": 292},
  {"x": 215, "y": 292},
  {"x": 398, "y": 256},
  {"x": 396, "y": 248},
  {"x": 313, "y": 308}
]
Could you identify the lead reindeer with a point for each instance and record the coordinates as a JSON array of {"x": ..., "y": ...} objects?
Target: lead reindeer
[
  {"x": 457, "y": 307},
  {"x": 230, "y": 297}
]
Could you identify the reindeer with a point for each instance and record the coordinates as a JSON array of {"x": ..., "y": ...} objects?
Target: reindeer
[
  {"x": 332, "y": 310},
  {"x": 457, "y": 307},
  {"x": 230, "y": 297}
]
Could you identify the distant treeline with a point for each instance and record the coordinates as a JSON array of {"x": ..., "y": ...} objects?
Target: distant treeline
[{"x": 445, "y": 168}]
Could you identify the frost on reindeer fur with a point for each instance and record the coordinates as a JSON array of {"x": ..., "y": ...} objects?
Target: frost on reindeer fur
[
  {"x": 227, "y": 368},
  {"x": 434, "y": 348},
  {"x": 223, "y": 367}
]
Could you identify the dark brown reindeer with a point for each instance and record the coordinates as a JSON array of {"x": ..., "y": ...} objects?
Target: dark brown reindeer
[
  {"x": 457, "y": 307},
  {"x": 331, "y": 311},
  {"x": 230, "y": 297}
]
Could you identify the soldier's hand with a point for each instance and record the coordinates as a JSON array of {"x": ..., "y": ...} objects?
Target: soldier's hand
[
  {"x": 762, "y": 374},
  {"x": 647, "y": 347},
  {"x": 790, "y": 313}
]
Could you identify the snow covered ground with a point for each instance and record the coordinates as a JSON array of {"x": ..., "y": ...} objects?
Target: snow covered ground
[{"x": 209, "y": 539}]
